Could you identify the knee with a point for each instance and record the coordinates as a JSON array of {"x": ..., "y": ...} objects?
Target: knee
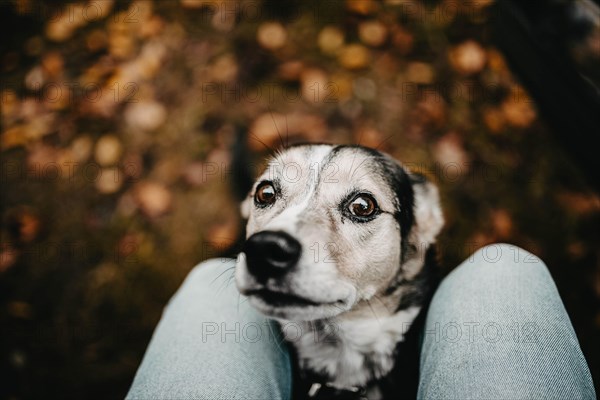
[
  {"x": 504, "y": 255},
  {"x": 210, "y": 271},
  {"x": 212, "y": 278},
  {"x": 503, "y": 262},
  {"x": 501, "y": 270}
]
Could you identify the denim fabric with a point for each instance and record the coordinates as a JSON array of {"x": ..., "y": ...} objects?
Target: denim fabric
[
  {"x": 496, "y": 329},
  {"x": 210, "y": 344}
]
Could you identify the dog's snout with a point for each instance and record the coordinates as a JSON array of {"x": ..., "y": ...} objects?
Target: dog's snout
[{"x": 269, "y": 253}]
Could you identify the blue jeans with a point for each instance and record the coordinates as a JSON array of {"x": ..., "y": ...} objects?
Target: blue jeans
[{"x": 496, "y": 329}]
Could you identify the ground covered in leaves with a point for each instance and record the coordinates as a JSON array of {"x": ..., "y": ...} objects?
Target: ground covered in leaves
[{"x": 118, "y": 124}]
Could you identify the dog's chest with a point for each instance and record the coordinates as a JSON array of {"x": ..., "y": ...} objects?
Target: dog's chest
[{"x": 352, "y": 353}]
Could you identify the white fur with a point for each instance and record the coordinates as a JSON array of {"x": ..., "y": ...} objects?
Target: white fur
[
  {"x": 347, "y": 282},
  {"x": 309, "y": 180},
  {"x": 342, "y": 353}
]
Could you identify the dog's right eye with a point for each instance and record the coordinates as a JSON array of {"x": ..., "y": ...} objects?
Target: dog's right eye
[{"x": 265, "y": 194}]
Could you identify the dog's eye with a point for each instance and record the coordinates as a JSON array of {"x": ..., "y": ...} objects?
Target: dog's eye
[
  {"x": 363, "y": 205},
  {"x": 265, "y": 194}
]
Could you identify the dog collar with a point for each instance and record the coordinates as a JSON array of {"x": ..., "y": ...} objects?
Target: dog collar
[{"x": 327, "y": 391}]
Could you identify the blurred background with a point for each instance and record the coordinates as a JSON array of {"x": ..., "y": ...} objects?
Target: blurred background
[{"x": 129, "y": 130}]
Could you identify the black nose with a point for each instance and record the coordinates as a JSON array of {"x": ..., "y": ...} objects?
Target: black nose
[{"x": 270, "y": 253}]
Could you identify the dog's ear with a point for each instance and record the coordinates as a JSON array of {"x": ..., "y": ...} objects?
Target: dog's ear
[{"x": 429, "y": 218}]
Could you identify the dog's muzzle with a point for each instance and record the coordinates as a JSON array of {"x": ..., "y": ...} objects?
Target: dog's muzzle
[{"x": 271, "y": 254}]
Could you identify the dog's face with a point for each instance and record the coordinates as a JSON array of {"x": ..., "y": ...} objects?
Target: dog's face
[{"x": 328, "y": 227}]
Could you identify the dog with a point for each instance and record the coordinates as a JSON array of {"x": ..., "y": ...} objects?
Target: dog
[{"x": 340, "y": 242}]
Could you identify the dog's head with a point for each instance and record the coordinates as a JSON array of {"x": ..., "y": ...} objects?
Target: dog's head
[{"x": 331, "y": 226}]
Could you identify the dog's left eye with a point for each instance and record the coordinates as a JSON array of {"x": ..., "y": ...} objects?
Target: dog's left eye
[{"x": 363, "y": 206}]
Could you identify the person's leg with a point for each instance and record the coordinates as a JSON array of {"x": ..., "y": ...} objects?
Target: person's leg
[
  {"x": 210, "y": 344},
  {"x": 497, "y": 329}
]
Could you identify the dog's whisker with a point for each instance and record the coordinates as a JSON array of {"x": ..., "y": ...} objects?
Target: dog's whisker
[
  {"x": 381, "y": 301},
  {"x": 226, "y": 282},
  {"x": 230, "y": 280},
  {"x": 221, "y": 274},
  {"x": 362, "y": 176},
  {"x": 383, "y": 141},
  {"x": 353, "y": 159},
  {"x": 287, "y": 133},
  {"x": 255, "y": 137},
  {"x": 362, "y": 132},
  {"x": 373, "y": 311},
  {"x": 370, "y": 307},
  {"x": 277, "y": 128},
  {"x": 358, "y": 167}
]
